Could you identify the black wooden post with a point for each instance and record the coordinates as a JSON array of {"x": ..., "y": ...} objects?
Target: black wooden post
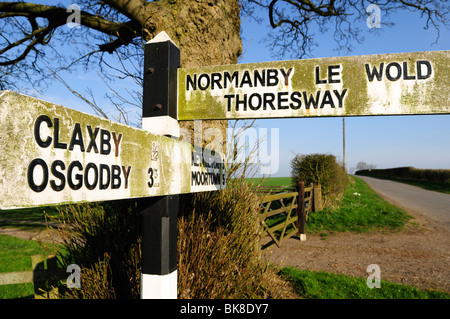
[
  {"x": 159, "y": 219},
  {"x": 301, "y": 211},
  {"x": 161, "y": 62}
]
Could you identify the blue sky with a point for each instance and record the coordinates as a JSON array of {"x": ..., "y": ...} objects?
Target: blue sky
[{"x": 386, "y": 141}]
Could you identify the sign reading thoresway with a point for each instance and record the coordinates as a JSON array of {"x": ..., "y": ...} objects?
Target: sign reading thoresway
[
  {"x": 386, "y": 84},
  {"x": 51, "y": 154}
]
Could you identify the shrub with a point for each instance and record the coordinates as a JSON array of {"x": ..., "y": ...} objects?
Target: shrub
[
  {"x": 104, "y": 240},
  {"x": 320, "y": 169},
  {"x": 438, "y": 176},
  {"x": 219, "y": 245},
  {"x": 219, "y": 236}
]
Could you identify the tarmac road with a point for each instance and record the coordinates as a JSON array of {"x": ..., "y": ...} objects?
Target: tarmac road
[{"x": 431, "y": 204}]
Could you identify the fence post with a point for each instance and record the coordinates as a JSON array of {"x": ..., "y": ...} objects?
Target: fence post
[
  {"x": 52, "y": 268},
  {"x": 317, "y": 198},
  {"x": 159, "y": 219},
  {"x": 301, "y": 211},
  {"x": 40, "y": 288},
  {"x": 45, "y": 289}
]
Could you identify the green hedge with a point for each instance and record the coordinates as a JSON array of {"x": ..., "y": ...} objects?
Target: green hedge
[
  {"x": 320, "y": 169},
  {"x": 440, "y": 176}
]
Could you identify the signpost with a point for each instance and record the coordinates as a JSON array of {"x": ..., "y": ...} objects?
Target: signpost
[
  {"x": 384, "y": 84},
  {"x": 50, "y": 154}
]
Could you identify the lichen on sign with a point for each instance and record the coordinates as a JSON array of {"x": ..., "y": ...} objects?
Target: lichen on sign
[
  {"x": 383, "y": 84},
  {"x": 50, "y": 154}
]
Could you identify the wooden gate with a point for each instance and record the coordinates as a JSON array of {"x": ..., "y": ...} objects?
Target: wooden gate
[
  {"x": 290, "y": 211},
  {"x": 293, "y": 209},
  {"x": 44, "y": 275}
]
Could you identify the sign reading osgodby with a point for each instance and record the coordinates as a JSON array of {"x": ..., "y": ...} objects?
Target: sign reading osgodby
[
  {"x": 51, "y": 154},
  {"x": 75, "y": 175},
  {"x": 387, "y": 84}
]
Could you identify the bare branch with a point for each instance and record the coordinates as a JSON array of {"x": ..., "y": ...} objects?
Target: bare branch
[
  {"x": 91, "y": 102},
  {"x": 123, "y": 32},
  {"x": 293, "y": 20},
  {"x": 133, "y": 9}
]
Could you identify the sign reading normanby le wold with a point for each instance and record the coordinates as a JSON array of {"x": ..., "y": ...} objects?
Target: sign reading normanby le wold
[
  {"x": 51, "y": 154},
  {"x": 386, "y": 84}
]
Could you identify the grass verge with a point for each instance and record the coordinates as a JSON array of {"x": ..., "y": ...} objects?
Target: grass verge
[
  {"x": 359, "y": 210},
  {"x": 322, "y": 285}
]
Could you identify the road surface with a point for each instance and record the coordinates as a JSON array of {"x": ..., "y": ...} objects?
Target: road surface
[{"x": 431, "y": 204}]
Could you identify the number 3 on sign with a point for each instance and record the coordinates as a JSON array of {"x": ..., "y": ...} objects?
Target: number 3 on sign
[{"x": 152, "y": 176}]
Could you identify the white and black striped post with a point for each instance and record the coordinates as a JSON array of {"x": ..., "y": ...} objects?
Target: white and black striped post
[{"x": 159, "y": 220}]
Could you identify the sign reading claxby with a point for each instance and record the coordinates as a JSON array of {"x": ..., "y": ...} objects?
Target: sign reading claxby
[
  {"x": 51, "y": 154},
  {"x": 386, "y": 84}
]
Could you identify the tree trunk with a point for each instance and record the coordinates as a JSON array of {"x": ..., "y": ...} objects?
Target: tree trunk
[{"x": 207, "y": 32}]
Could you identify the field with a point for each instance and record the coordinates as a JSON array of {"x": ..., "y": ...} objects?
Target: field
[{"x": 272, "y": 181}]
